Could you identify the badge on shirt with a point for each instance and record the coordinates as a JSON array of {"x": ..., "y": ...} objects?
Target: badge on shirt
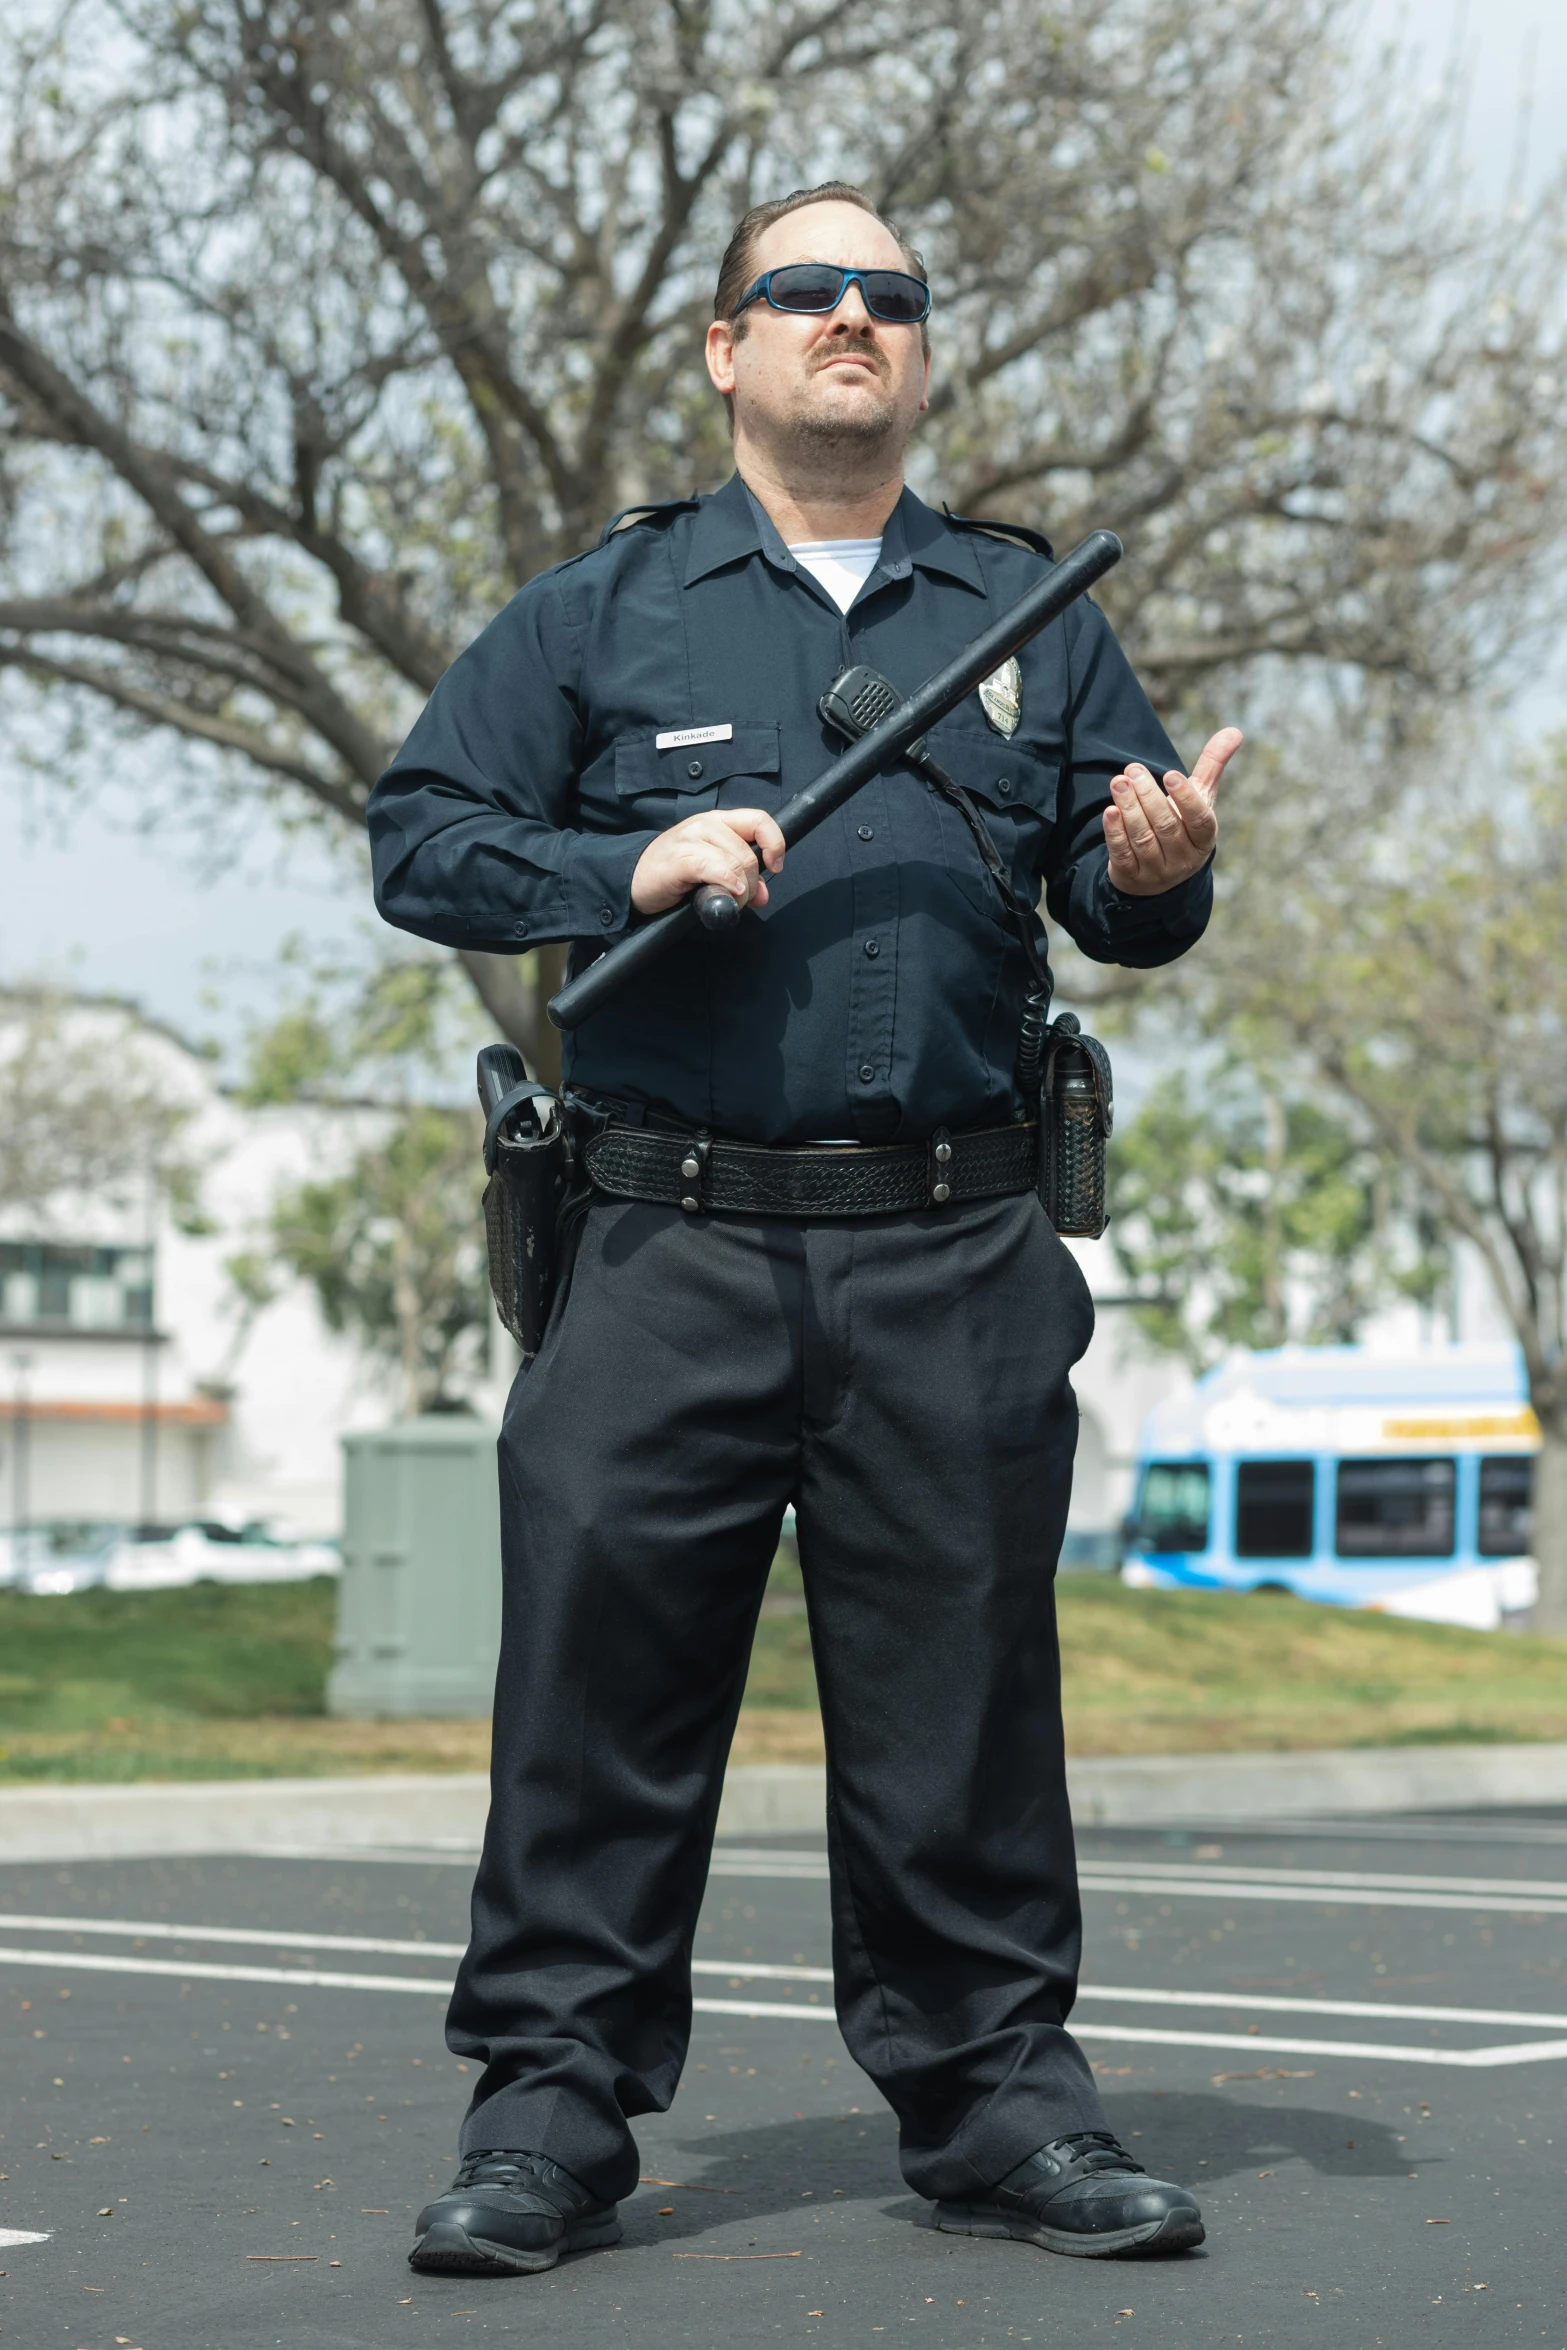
[{"x": 1001, "y": 698}]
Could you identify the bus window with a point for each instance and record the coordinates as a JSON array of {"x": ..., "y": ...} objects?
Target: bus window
[
  {"x": 1506, "y": 1505},
  {"x": 1274, "y": 1502},
  {"x": 1396, "y": 1509},
  {"x": 1172, "y": 1511}
]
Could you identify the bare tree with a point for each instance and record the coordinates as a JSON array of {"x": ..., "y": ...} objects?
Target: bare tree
[
  {"x": 85, "y": 1108},
  {"x": 1416, "y": 983},
  {"x": 322, "y": 328},
  {"x": 1245, "y": 1214},
  {"x": 393, "y": 1242}
]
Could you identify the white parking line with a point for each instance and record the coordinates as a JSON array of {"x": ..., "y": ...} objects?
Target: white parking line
[
  {"x": 1189, "y": 1872},
  {"x": 160, "y": 1930},
  {"x": 741, "y": 1970},
  {"x": 10, "y": 2236},
  {"x": 1387, "y": 2052},
  {"x": 793, "y": 1865},
  {"x": 1342, "y": 1888},
  {"x": 1271, "y": 2004},
  {"x": 1526, "y": 2052},
  {"x": 316, "y": 1979},
  {"x": 141, "y": 1930},
  {"x": 87, "y": 1962},
  {"x": 1388, "y": 1895}
]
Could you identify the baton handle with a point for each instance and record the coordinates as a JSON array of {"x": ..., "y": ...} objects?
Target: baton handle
[
  {"x": 1045, "y": 601},
  {"x": 716, "y": 910}
]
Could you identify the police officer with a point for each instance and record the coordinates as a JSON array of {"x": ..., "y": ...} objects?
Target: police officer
[{"x": 811, "y": 1317}]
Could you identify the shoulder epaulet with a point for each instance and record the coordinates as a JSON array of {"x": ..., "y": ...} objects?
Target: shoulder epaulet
[
  {"x": 1019, "y": 531},
  {"x": 630, "y": 515}
]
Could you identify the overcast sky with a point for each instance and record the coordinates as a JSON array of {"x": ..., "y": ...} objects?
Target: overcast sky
[{"x": 86, "y": 899}]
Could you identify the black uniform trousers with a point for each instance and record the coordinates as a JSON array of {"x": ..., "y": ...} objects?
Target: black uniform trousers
[{"x": 904, "y": 1381}]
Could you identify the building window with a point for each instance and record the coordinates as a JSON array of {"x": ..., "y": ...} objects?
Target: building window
[
  {"x": 1396, "y": 1509},
  {"x": 1506, "y": 1505},
  {"x": 1172, "y": 1510},
  {"x": 1274, "y": 1507},
  {"x": 49, "y": 1285}
]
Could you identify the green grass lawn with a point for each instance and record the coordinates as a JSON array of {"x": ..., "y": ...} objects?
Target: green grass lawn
[{"x": 220, "y": 1682}]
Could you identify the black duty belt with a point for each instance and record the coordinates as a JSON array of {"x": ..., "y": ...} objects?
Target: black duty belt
[{"x": 698, "y": 1172}]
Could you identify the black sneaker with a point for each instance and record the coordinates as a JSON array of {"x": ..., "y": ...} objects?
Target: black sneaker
[
  {"x": 1082, "y": 2195},
  {"x": 508, "y": 2213}
]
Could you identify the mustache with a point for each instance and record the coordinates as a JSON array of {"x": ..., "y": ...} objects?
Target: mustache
[{"x": 846, "y": 346}]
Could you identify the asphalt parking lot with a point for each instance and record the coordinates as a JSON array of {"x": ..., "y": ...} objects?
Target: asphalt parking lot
[{"x": 226, "y": 2095}]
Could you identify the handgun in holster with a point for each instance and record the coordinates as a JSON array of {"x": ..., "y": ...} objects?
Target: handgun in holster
[{"x": 528, "y": 1159}]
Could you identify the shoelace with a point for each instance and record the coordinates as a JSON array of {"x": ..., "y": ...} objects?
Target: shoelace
[
  {"x": 501, "y": 2167},
  {"x": 1096, "y": 2150}
]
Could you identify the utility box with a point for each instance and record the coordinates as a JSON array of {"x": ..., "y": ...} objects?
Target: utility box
[{"x": 419, "y": 1604}]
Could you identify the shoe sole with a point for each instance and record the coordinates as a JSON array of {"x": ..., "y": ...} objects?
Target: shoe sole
[
  {"x": 1178, "y": 2231},
  {"x": 448, "y": 2250}
]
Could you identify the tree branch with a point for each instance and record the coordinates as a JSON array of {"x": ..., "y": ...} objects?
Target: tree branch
[
  {"x": 199, "y": 725},
  {"x": 153, "y": 481}
]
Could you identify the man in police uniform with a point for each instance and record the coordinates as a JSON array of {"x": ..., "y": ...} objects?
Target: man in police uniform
[{"x": 622, "y": 732}]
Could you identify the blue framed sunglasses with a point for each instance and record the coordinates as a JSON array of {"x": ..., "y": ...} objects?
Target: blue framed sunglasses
[{"x": 813, "y": 288}]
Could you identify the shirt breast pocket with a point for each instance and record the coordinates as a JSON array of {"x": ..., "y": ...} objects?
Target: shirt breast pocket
[
  {"x": 662, "y": 786},
  {"x": 1014, "y": 792}
]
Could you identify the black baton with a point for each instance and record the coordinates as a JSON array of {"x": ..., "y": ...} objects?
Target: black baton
[{"x": 713, "y": 908}]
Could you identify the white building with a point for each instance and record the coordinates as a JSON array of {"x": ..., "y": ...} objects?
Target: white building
[{"x": 133, "y": 1385}]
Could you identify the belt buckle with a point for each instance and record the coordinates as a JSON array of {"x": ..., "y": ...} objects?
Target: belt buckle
[
  {"x": 938, "y": 1167},
  {"x": 694, "y": 1159}
]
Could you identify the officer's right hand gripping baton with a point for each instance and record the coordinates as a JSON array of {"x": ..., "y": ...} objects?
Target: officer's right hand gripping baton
[{"x": 714, "y": 909}]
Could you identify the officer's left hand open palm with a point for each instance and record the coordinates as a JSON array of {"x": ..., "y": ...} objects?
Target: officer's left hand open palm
[{"x": 1159, "y": 838}]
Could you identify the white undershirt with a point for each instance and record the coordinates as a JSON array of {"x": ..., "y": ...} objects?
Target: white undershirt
[{"x": 841, "y": 566}]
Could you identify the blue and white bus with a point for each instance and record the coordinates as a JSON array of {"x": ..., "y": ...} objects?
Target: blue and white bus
[{"x": 1363, "y": 1479}]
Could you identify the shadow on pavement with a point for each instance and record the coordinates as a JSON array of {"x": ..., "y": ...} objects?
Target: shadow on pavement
[
  {"x": 802, "y": 2165},
  {"x": 1189, "y": 2136},
  {"x": 780, "y": 2167}
]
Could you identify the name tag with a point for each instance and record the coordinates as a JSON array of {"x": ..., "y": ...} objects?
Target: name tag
[{"x": 680, "y": 736}]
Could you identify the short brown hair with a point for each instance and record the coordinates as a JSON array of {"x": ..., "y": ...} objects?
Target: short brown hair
[{"x": 737, "y": 268}]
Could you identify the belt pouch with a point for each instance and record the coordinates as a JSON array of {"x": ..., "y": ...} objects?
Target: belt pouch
[
  {"x": 522, "y": 1204},
  {"x": 1076, "y": 1113}
]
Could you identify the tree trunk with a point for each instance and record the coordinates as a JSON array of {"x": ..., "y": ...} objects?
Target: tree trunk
[
  {"x": 1550, "y": 1524},
  {"x": 1274, "y": 1145},
  {"x": 515, "y": 1001}
]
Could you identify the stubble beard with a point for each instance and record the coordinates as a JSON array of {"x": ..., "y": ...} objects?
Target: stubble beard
[{"x": 855, "y": 434}]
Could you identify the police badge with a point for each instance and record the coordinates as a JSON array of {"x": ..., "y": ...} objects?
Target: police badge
[{"x": 1001, "y": 698}]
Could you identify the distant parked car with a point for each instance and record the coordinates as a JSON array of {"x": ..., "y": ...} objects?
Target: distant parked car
[
  {"x": 153, "y": 1558},
  {"x": 49, "y": 1562}
]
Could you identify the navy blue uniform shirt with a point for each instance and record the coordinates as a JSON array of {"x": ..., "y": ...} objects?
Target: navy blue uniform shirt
[{"x": 878, "y": 995}]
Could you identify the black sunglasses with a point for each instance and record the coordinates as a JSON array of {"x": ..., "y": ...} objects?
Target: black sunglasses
[{"x": 814, "y": 288}]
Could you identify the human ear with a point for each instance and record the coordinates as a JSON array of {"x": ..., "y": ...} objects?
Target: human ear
[{"x": 719, "y": 352}]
